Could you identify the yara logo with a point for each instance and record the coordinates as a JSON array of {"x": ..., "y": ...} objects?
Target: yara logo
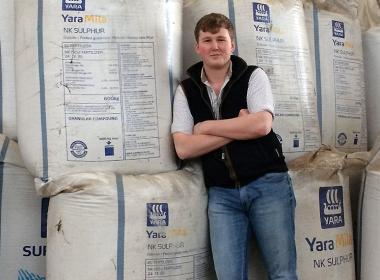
[
  {"x": 73, "y": 5},
  {"x": 331, "y": 207},
  {"x": 157, "y": 214},
  {"x": 261, "y": 12},
  {"x": 23, "y": 274},
  {"x": 338, "y": 29}
]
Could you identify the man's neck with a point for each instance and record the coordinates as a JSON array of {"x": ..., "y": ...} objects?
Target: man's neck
[{"x": 216, "y": 75}]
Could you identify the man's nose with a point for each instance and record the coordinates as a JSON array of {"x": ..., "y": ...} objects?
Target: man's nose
[{"x": 214, "y": 44}]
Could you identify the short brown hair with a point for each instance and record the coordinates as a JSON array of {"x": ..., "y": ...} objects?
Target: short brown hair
[{"x": 212, "y": 23}]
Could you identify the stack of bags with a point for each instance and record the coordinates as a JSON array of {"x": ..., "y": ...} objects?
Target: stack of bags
[
  {"x": 94, "y": 83},
  {"x": 22, "y": 212}
]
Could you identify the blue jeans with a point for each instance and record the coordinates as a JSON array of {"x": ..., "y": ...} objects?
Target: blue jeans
[{"x": 264, "y": 207}]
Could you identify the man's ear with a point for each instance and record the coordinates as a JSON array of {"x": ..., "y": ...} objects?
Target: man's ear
[
  {"x": 233, "y": 46},
  {"x": 196, "y": 47}
]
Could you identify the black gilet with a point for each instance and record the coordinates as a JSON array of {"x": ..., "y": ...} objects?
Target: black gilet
[{"x": 241, "y": 161}]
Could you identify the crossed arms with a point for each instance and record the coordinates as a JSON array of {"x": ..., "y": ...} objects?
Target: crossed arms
[{"x": 213, "y": 134}]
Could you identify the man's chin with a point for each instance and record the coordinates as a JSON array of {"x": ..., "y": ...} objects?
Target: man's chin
[{"x": 217, "y": 64}]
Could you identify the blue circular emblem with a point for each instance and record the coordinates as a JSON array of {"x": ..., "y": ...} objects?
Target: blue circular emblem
[
  {"x": 78, "y": 149},
  {"x": 342, "y": 139}
]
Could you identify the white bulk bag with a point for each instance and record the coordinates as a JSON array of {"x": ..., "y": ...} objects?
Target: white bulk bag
[
  {"x": 354, "y": 169},
  {"x": 369, "y": 14},
  {"x": 349, "y": 7},
  {"x": 272, "y": 35},
  {"x": 324, "y": 236},
  {"x": 323, "y": 223},
  {"x": 371, "y": 46},
  {"x": 102, "y": 226},
  {"x": 94, "y": 85},
  {"x": 7, "y": 75},
  {"x": 369, "y": 224},
  {"x": 22, "y": 218},
  {"x": 336, "y": 44}
]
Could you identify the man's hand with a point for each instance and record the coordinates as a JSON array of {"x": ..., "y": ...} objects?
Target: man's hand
[
  {"x": 199, "y": 127},
  {"x": 197, "y": 130},
  {"x": 243, "y": 112}
]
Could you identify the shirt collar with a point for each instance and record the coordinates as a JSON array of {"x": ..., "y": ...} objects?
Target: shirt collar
[{"x": 204, "y": 77}]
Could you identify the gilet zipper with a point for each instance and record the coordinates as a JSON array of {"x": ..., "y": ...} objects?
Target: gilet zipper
[{"x": 225, "y": 153}]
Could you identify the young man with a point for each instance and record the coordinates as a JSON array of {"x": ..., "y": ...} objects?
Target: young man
[{"x": 223, "y": 113}]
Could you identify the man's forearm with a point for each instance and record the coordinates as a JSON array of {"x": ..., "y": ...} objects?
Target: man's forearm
[
  {"x": 191, "y": 146},
  {"x": 248, "y": 126}
]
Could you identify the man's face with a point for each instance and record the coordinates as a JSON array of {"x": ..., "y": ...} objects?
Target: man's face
[{"x": 215, "y": 49}]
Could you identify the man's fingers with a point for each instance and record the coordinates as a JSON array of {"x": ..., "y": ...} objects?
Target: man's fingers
[{"x": 243, "y": 112}]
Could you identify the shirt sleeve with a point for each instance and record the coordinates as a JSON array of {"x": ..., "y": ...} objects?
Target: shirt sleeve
[
  {"x": 259, "y": 95},
  {"x": 182, "y": 118}
]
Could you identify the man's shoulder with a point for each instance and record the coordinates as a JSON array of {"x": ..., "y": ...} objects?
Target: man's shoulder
[
  {"x": 246, "y": 73},
  {"x": 252, "y": 66},
  {"x": 258, "y": 74},
  {"x": 187, "y": 86},
  {"x": 252, "y": 70},
  {"x": 186, "y": 82}
]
